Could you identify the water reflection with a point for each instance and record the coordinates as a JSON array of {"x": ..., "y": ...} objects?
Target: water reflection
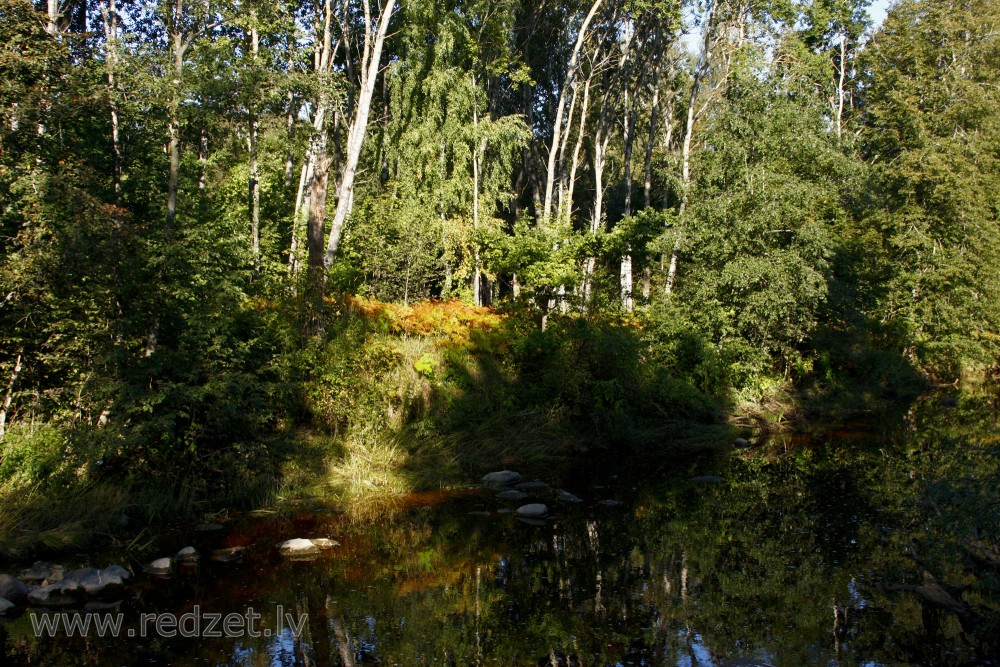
[{"x": 808, "y": 552}]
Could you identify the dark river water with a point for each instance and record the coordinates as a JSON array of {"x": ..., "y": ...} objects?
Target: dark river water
[{"x": 870, "y": 546}]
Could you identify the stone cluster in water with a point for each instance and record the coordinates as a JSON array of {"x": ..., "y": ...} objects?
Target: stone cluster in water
[
  {"x": 512, "y": 489},
  {"x": 48, "y": 585}
]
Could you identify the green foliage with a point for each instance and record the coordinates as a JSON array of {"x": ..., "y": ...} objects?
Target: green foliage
[
  {"x": 932, "y": 132},
  {"x": 832, "y": 214},
  {"x": 761, "y": 225},
  {"x": 33, "y": 456},
  {"x": 395, "y": 250}
]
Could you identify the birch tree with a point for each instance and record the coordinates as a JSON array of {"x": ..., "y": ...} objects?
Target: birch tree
[
  {"x": 567, "y": 87},
  {"x": 375, "y": 30}
]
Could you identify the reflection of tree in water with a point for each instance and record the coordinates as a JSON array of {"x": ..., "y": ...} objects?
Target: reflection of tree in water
[{"x": 839, "y": 551}]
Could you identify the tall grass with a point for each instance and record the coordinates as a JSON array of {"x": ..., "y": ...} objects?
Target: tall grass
[{"x": 36, "y": 520}]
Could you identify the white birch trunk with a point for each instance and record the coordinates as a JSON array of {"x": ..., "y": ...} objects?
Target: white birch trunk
[
  {"x": 561, "y": 161},
  {"x": 557, "y": 126},
  {"x": 9, "y": 395},
  {"x": 371, "y": 64},
  {"x": 626, "y": 282},
  {"x": 53, "y": 13},
  {"x": 477, "y": 151},
  {"x": 704, "y": 64},
  {"x": 254, "y": 181},
  {"x": 842, "y": 70}
]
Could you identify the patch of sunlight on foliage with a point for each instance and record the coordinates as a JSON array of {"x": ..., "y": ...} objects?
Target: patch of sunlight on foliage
[
  {"x": 757, "y": 390},
  {"x": 453, "y": 319},
  {"x": 32, "y": 454},
  {"x": 773, "y": 407}
]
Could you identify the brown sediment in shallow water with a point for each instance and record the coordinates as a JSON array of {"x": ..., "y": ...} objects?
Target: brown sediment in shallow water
[{"x": 434, "y": 498}]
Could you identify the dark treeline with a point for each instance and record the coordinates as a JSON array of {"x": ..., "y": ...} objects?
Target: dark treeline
[{"x": 748, "y": 197}]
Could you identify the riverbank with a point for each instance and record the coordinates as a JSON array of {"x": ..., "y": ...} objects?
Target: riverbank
[{"x": 402, "y": 399}]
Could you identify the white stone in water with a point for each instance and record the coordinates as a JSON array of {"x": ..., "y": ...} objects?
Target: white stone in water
[
  {"x": 532, "y": 510},
  {"x": 325, "y": 543},
  {"x": 42, "y": 573},
  {"x": 298, "y": 547},
  {"x": 89, "y": 578},
  {"x": 188, "y": 555},
  {"x": 59, "y": 594},
  {"x": 5, "y": 606},
  {"x": 11, "y": 589},
  {"x": 512, "y": 494},
  {"x": 501, "y": 477},
  {"x": 101, "y": 583},
  {"x": 160, "y": 566},
  {"x": 115, "y": 575}
]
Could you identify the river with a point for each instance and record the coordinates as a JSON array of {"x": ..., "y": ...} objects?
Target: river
[{"x": 874, "y": 545}]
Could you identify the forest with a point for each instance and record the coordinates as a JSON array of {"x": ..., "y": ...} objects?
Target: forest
[{"x": 258, "y": 251}]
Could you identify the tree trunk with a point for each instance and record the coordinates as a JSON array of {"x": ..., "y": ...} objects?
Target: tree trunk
[
  {"x": 561, "y": 160},
  {"x": 557, "y": 129},
  {"x": 625, "y": 273},
  {"x": 668, "y": 143},
  {"x": 705, "y": 62},
  {"x": 305, "y": 177},
  {"x": 317, "y": 213},
  {"x": 654, "y": 118},
  {"x": 359, "y": 127},
  {"x": 842, "y": 74},
  {"x": 600, "y": 147},
  {"x": 314, "y": 180},
  {"x": 314, "y": 239},
  {"x": 53, "y": 14},
  {"x": 254, "y": 180},
  {"x": 179, "y": 46},
  {"x": 629, "y": 140},
  {"x": 477, "y": 152},
  {"x": 291, "y": 113},
  {"x": 110, "y": 16},
  {"x": 626, "y": 282},
  {"x": 567, "y": 208},
  {"x": 601, "y": 139},
  {"x": 9, "y": 395}
]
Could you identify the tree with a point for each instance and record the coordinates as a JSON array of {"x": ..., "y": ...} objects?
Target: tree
[
  {"x": 763, "y": 215},
  {"x": 369, "y": 68},
  {"x": 930, "y": 130}
]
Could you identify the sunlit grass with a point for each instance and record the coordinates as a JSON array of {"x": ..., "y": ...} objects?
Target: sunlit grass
[{"x": 368, "y": 479}]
